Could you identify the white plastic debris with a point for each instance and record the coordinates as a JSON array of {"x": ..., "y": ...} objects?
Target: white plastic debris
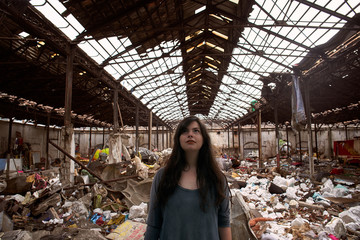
[
  {"x": 309, "y": 200},
  {"x": 343, "y": 181},
  {"x": 252, "y": 205},
  {"x": 79, "y": 208},
  {"x": 326, "y": 213},
  {"x": 340, "y": 191},
  {"x": 283, "y": 182},
  {"x": 291, "y": 193},
  {"x": 328, "y": 186},
  {"x": 280, "y": 181},
  {"x": 323, "y": 236},
  {"x": 98, "y": 210},
  {"x": 277, "y": 230},
  {"x": 67, "y": 204},
  {"x": 54, "y": 221},
  {"x": 269, "y": 236},
  {"x": 17, "y": 197},
  {"x": 54, "y": 181},
  {"x": 336, "y": 227},
  {"x": 141, "y": 169},
  {"x": 351, "y": 218},
  {"x": 139, "y": 211},
  {"x": 293, "y": 204},
  {"x": 304, "y": 187},
  {"x": 279, "y": 207},
  {"x": 107, "y": 214},
  {"x": 298, "y": 222}
]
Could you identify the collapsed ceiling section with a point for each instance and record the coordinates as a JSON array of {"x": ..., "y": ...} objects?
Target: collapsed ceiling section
[{"x": 212, "y": 58}]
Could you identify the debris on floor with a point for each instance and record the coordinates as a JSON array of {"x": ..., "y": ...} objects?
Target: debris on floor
[
  {"x": 287, "y": 204},
  {"x": 266, "y": 203},
  {"x": 112, "y": 204}
]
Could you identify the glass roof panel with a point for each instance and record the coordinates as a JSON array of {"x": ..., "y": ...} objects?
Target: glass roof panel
[{"x": 156, "y": 77}]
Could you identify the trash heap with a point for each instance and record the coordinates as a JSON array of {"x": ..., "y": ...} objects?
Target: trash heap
[
  {"x": 35, "y": 205},
  {"x": 266, "y": 203},
  {"x": 287, "y": 204}
]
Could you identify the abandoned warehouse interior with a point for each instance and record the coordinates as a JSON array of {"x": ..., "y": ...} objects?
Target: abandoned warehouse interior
[{"x": 91, "y": 92}]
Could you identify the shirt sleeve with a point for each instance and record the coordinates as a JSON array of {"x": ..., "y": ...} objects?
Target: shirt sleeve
[
  {"x": 224, "y": 208},
  {"x": 154, "y": 220}
]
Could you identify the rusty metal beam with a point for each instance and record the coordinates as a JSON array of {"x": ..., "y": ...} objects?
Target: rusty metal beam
[{"x": 78, "y": 162}]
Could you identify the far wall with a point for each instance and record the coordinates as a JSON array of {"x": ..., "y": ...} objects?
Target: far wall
[{"x": 223, "y": 141}]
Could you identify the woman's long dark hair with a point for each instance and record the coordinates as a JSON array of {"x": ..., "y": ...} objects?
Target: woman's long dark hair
[{"x": 209, "y": 175}]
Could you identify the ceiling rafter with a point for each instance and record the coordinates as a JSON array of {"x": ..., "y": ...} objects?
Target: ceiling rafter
[
  {"x": 222, "y": 64},
  {"x": 328, "y": 11},
  {"x": 107, "y": 21}
]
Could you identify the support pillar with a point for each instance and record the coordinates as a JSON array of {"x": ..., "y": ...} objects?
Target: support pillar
[
  {"x": 316, "y": 142},
  {"x": 150, "y": 131},
  {"x": 170, "y": 138},
  {"x": 308, "y": 118},
  {"x": 261, "y": 162},
  {"x": 300, "y": 156},
  {"x": 330, "y": 144},
  {"x": 239, "y": 147},
  {"x": 68, "y": 168},
  {"x": 47, "y": 164},
  {"x": 228, "y": 145},
  {"x": 137, "y": 130},
  {"x": 9, "y": 135},
  {"x": 162, "y": 138},
  {"x": 346, "y": 133},
  {"x": 287, "y": 139},
  {"x": 9, "y": 154},
  {"x": 167, "y": 138},
  {"x": 115, "y": 110},
  {"x": 103, "y": 140},
  {"x": 90, "y": 143},
  {"x": 233, "y": 140},
  {"x": 157, "y": 135},
  {"x": 277, "y": 136}
]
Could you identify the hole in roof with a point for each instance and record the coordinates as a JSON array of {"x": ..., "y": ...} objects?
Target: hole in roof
[
  {"x": 24, "y": 34},
  {"x": 200, "y": 9}
]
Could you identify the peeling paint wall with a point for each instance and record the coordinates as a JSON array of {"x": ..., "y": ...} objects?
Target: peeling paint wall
[
  {"x": 221, "y": 139},
  {"x": 34, "y": 135}
]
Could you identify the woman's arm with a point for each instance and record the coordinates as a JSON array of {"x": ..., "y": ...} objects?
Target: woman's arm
[
  {"x": 154, "y": 220},
  {"x": 224, "y": 215},
  {"x": 225, "y": 233}
]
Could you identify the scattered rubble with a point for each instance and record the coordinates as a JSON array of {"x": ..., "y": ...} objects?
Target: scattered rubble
[
  {"x": 106, "y": 201},
  {"x": 306, "y": 208},
  {"x": 112, "y": 204}
]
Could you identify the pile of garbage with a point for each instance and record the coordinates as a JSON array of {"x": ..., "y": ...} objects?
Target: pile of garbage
[
  {"x": 36, "y": 205},
  {"x": 287, "y": 204},
  {"x": 267, "y": 203}
]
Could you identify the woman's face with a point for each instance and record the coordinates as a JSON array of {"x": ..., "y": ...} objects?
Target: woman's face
[{"x": 191, "y": 139}]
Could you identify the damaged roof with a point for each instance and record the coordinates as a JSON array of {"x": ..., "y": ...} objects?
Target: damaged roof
[{"x": 177, "y": 58}]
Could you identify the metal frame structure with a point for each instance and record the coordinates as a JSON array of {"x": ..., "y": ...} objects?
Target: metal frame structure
[{"x": 211, "y": 58}]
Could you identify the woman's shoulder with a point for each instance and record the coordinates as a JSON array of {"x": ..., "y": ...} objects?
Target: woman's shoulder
[
  {"x": 159, "y": 174},
  {"x": 160, "y": 171}
]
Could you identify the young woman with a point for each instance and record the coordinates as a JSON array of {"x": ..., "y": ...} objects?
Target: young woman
[{"x": 189, "y": 197}]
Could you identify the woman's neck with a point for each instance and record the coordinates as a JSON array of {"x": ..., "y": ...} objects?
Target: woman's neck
[
  {"x": 191, "y": 159},
  {"x": 188, "y": 177}
]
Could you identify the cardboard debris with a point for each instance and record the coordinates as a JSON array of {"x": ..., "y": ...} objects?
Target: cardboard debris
[{"x": 128, "y": 230}]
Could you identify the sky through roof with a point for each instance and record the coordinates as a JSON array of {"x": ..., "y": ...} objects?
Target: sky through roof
[{"x": 278, "y": 35}]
